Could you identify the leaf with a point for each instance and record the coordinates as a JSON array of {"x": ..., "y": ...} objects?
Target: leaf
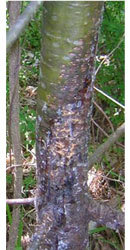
[
  {"x": 97, "y": 230},
  {"x": 9, "y": 215}
]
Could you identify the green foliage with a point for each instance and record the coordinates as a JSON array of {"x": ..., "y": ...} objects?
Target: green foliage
[
  {"x": 31, "y": 37},
  {"x": 27, "y": 126},
  {"x": 104, "y": 237},
  {"x": 29, "y": 75},
  {"x": 9, "y": 215},
  {"x": 29, "y": 181},
  {"x": 20, "y": 232},
  {"x": 114, "y": 244},
  {"x": 110, "y": 78},
  {"x": 97, "y": 230},
  {"x": 9, "y": 178}
]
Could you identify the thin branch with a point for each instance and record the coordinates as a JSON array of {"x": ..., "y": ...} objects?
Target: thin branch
[
  {"x": 111, "y": 179},
  {"x": 108, "y": 178},
  {"x": 20, "y": 24},
  {"x": 20, "y": 165},
  {"x": 30, "y": 151},
  {"x": 107, "y": 118},
  {"x": 104, "y": 132},
  {"x": 109, "y": 54},
  {"x": 106, "y": 215},
  {"x": 97, "y": 155},
  {"x": 25, "y": 201},
  {"x": 109, "y": 97},
  {"x": 121, "y": 240},
  {"x": 98, "y": 126}
]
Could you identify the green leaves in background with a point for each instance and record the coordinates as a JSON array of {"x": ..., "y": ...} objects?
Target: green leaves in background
[{"x": 110, "y": 78}]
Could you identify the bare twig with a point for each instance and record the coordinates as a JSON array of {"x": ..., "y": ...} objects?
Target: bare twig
[
  {"x": 25, "y": 201},
  {"x": 20, "y": 24},
  {"x": 108, "y": 178},
  {"x": 97, "y": 155},
  {"x": 30, "y": 211},
  {"x": 28, "y": 228},
  {"x": 30, "y": 151},
  {"x": 109, "y": 97},
  {"x": 107, "y": 118},
  {"x": 98, "y": 126},
  {"x": 110, "y": 54},
  {"x": 19, "y": 165},
  {"x": 121, "y": 240}
]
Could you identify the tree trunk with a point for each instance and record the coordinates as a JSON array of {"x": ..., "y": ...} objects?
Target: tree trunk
[{"x": 70, "y": 36}]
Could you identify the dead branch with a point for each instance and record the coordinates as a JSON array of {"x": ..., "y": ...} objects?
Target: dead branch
[
  {"x": 20, "y": 24},
  {"x": 25, "y": 201},
  {"x": 107, "y": 118},
  {"x": 110, "y": 54},
  {"x": 97, "y": 155},
  {"x": 106, "y": 215},
  {"x": 98, "y": 126},
  {"x": 19, "y": 165},
  {"x": 109, "y": 97}
]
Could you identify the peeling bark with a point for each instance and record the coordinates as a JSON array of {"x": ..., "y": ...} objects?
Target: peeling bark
[{"x": 70, "y": 36}]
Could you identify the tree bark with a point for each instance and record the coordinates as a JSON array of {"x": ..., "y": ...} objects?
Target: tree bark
[{"x": 70, "y": 36}]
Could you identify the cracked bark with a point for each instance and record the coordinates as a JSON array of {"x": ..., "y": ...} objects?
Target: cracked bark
[{"x": 70, "y": 36}]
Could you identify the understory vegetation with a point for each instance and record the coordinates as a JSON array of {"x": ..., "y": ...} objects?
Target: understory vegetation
[{"x": 106, "y": 178}]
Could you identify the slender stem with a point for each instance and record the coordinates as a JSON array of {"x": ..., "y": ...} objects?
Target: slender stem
[
  {"x": 19, "y": 165},
  {"x": 97, "y": 155},
  {"x": 107, "y": 118},
  {"x": 109, "y": 97},
  {"x": 14, "y": 132},
  {"x": 25, "y": 201},
  {"x": 109, "y": 54},
  {"x": 98, "y": 126},
  {"x": 20, "y": 24}
]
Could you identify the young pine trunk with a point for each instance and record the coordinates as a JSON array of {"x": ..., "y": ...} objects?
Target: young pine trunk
[{"x": 70, "y": 35}]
